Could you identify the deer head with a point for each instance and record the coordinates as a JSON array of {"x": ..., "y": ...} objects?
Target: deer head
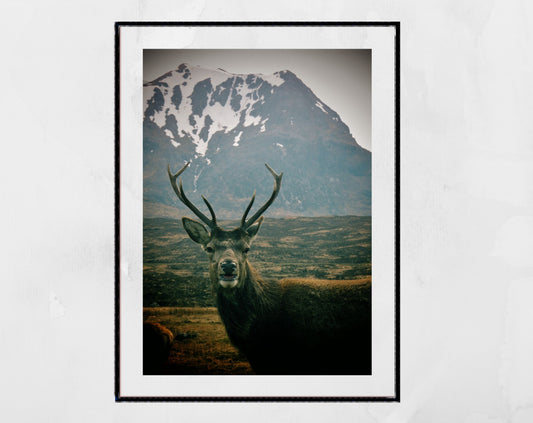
[{"x": 227, "y": 249}]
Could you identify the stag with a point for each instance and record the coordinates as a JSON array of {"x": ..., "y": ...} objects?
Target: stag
[{"x": 291, "y": 326}]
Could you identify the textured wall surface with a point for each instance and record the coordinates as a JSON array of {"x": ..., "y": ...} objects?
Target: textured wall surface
[{"x": 467, "y": 210}]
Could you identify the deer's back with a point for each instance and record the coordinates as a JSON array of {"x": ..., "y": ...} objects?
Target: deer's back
[
  {"x": 326, "y": 304},
  {"x": 324, "y": 326}
]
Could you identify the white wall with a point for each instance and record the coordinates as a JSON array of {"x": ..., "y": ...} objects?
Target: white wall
[{"x": 467, "y": 210}]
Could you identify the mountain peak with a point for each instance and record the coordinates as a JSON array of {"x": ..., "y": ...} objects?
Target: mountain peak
[
  {"x": 195, "y": 102},
  {"x": 229, "y": 124}
]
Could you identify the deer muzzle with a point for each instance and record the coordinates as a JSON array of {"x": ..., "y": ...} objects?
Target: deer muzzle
[{"x": 228, "y": 274}]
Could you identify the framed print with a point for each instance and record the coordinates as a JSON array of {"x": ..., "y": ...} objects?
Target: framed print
[{"x": 257, "y": 211}]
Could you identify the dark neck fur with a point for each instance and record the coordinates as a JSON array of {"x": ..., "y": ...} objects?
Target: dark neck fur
[{"x": 244, "y": 309}]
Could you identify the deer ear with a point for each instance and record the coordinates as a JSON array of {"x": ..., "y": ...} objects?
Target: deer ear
[
  {"x": 252, "y": 230},
  {"x": 196, "y": 230}
]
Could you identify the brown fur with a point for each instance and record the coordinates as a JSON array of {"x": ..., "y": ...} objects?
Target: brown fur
[
  {"x": 300, "y": 326},
  {"x": 157, "y": 340}
]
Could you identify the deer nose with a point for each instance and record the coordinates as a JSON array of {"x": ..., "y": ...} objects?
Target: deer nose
[{"x": 228, "y": 267}]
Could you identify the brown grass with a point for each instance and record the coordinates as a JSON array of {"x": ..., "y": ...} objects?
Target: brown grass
[{"x": 201, "y": 346}]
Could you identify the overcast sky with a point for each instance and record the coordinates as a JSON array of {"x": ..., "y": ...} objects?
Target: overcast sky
[{"x": 339, "y": 78}]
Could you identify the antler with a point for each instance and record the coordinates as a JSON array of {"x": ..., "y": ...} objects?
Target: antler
[
  {"x": 212, "y": 223},
  {"x": 275, "y": 192}
]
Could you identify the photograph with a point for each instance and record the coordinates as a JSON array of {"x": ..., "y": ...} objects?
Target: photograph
[{"x": 276, "y": 286}]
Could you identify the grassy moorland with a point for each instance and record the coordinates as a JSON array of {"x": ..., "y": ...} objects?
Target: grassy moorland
[
  {"x": 175, "y": 268},
  {"x": 201, "y": 345},
  {"x": 177, "y": 292}
]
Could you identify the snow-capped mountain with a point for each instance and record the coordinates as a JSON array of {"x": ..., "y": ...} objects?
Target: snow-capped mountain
[
  {"x": 229, "y": 125},
  {"x": 202, "y": 102}
]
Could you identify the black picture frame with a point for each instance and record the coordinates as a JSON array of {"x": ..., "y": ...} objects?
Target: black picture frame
[{"x": 119, "y": 397}]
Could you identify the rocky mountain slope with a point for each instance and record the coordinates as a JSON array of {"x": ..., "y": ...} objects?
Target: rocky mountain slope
[{"x": 229, "y": 125}]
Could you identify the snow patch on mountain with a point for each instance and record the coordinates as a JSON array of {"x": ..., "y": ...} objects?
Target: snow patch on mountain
[
  {"x": 320, "y": 106},
  {"x": 195, "y": 102},
  {"x": 263, "y": 125},
  {"x": 237, "y": 139},
  {"x": 275, "y": 79}
]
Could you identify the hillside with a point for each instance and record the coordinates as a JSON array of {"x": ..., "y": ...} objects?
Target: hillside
[
  {"x": 229, "y": 125},
  {"x": 175, "y": 268}
]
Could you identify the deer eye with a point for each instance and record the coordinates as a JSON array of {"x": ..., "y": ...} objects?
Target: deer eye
[{"x": 209, "y": 250}]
